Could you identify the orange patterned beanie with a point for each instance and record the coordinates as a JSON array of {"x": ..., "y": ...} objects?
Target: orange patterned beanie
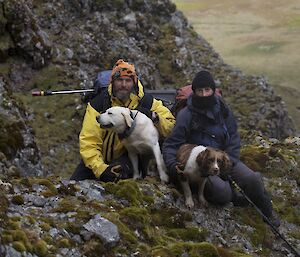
[{"x": 121, "y": 69}]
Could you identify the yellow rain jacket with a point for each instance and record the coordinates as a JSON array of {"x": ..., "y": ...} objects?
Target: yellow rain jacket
[{"x": 99, "y": 146}]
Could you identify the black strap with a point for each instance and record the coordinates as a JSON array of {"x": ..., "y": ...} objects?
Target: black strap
[{"x": 101, "y": 102}]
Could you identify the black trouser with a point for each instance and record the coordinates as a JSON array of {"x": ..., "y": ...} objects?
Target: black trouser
[
  {"x": 218, "y": 191},
  {"x": 82, "y": 172}
]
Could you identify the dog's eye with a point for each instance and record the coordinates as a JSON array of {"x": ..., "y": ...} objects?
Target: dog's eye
[
  {"x": 109, "y": 113},
  {"x": 210, "y": 160}
]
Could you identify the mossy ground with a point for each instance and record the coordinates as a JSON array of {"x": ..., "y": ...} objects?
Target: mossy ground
[{"x": 62, "y": 126}]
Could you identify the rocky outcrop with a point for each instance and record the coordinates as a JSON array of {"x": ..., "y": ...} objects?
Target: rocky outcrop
[
  {"x": 19, "y": 154},
  {"x": 55, "y": 216}
]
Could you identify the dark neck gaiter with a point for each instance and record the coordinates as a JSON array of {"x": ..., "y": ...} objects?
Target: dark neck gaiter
[{"x": 203, "y": 102}]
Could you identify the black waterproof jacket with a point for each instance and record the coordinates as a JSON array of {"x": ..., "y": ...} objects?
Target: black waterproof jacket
[{"x": 214, "y": 127}]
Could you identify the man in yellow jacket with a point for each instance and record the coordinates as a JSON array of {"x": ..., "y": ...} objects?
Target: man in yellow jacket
[{"x": 102, "y": 150}]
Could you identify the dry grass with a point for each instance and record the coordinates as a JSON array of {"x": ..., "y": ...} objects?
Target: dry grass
[{"x": 259, "y": 37}]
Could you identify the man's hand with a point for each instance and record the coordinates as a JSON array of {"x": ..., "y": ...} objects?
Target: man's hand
[
  {"x": 112, "y": 173},
  {"x": 176, "y": 172}
]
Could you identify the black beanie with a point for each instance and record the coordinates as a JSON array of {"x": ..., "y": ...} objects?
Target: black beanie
[{"x": 203, "y": 79}]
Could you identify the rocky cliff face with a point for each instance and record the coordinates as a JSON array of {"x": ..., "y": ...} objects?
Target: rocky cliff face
[{"x": 63, "y": 44}]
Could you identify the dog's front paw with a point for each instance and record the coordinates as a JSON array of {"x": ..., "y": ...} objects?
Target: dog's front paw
[
  {"x": 164, "y": 178},
  {"x": 189, "y": 203},
  {"x": 137, "y": 177},
  {"x": 203, "y": 201}
]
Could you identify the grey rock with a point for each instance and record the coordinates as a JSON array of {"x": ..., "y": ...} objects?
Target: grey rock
[{"x": 103, "y": 228}]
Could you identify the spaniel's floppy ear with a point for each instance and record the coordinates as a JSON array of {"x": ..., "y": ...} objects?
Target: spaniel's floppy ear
[
  {"x": 201, "y": 159},
  {"x": 226, "y": 163},
  {"x": 128, "y": 119}
]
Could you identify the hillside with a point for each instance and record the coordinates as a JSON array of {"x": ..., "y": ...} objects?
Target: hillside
[
  {"x": 259, "y": 37},
  {"x": 62, "y": 45}
]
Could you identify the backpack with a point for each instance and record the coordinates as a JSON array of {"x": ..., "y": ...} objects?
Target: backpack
[
  {"x": 182, "y": 95},
  {"x": 101, "y": 82}
]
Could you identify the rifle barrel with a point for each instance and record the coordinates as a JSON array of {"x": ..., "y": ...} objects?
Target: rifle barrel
[{"x": 60, "y": 92}]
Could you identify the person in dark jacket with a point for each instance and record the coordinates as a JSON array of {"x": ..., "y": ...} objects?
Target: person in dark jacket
[{"x": 208, "y": 121}]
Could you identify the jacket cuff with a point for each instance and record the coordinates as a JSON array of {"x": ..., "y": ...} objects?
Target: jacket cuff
[{"x": 98, "y": 172}]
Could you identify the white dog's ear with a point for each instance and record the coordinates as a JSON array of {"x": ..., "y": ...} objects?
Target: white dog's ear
[{"x": 128, "y": 119}]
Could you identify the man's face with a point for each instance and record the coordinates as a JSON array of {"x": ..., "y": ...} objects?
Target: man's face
[
  {"x": 122, "y": 88},
  {"x": 207, "y": 91}
]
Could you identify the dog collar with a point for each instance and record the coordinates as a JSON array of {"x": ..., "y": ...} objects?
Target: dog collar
[{"x": 127, "y": 132}]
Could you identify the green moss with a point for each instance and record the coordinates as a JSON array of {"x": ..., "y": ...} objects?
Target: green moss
[
  {"x": 47, "y": 183},
  {"x": 48, "y": 239},
  {"x": 14, "y": 224},
  {"x": 83, "y": 215},
  {"x": 103, "y": 4},
  {"x": 93, "y": 247},
  {"x": 15, "y": 218},
  {"x": 170, "y": 217},
  {"x": 19, "y": 246},
  {"x": 4, "y": 203},
  {"x": 135, "y": 217},
  {"x": 126, "y": 233},
  {"x": 58, "y": 128},
  {"x": 295, "y": 234},
  {"x": 6, "y": 239},
  {"x": 254, "y": 157},
  {"x": 64, "y": 243},
  {"x": 24, "y": 181},
  {"x": 127, "y": 189},
  {"x": 229, "y": 253},
  {"x": 45, "y": 226},
  {"x": 19, "y": 235},
  {"x": 40, "y": 248},
  {"x": 17, "y": 199},
  {"x": 11, "y": 139},
  {"x": 65, "y": 205},
  {"x": 31, "y": 220},
  {"x": 48, "y": 220},
  {"x": 260, "y": 235},
  {"x": 203, "y": 249},
  {"x": 188, "y": 234},
  {"x": 73, "y": 227}
]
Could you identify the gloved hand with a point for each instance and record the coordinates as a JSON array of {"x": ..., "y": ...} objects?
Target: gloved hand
[
  {"x": 224, "y": 175},
  {"x": 176, "y": 172},
  {"x": 112, "y": 173}
]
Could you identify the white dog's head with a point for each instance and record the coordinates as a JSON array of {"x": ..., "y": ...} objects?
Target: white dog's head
[{"x": 117, "y": 118}]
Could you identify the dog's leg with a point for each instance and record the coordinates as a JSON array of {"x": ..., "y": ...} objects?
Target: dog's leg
[
  {"x": 201, "y": 197},
  {"x": 189, "y": 202},
  {"x": 134, "y": 161},
  {"x": 160, "y": 164}
]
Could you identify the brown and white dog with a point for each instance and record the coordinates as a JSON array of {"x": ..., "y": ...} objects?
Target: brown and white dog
[{"x": 196, "y": 163}]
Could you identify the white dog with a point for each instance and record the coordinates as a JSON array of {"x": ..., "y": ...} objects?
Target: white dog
[
  {"x": 139, "y": 136},
  {"x": 198, "y": 162}
]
